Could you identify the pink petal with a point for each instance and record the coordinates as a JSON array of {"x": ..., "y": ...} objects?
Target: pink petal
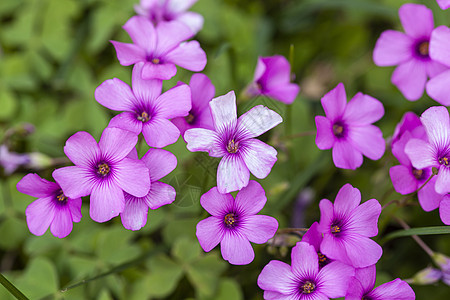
[
  {"x": 368, "y": 140},
  {"x": 189, "y": 56},
  {"x": 223, "y": 111},
  {"x": 439, "y": 89},
  {"x": 428, "y": 198},
  {"x": 334, "y": 103},
  {"x": 232, "y": 174},
  {"x": 398, "y": 147},
  {"x": 444, "y": 210},
  {"x": 62, "y": 223},
  {"x": 259, "y": 229},
  {"x": 160, "y": 194},
  {"x": 355, "y": 290},
  {"x": 437, "y": 125},
  {"x": 209, "y": 233},
  {"x": 128, "y": 54},
  {"x": 115, "y": 95},
  {"x": 285, "y": 94},
  {"x": 364, "y": 218},
  {"x": 170, "y": 35},
  {"x": 159, "y": 162},
  {"x": 236, "y": 249},
  {"x": 81, "y": 148},
  {"x": 347, "y": 199},
  {"x": 410, "y": 78},
  {"x": 176, "y": 102},
  {"x": 417, "y": 20},
  {"x": 260, "y": 69},
  {"x": 162, "y": 71},
  {"x": 257, "y": 121},
  {"x": 363, "y": 110},
  {"x": 215, "y": 203},
  {"x": 32, "y": 184},
  {"x": 367, "y": 277},
  {"x": 142, "y": 33},
  {"x": 76, "y": 182},
  {"x": 345, "y": 156},
  {"x": 126, "y": 121},
  {"x": 116, "y": 143},
  {"x": 277, "y": 276},
  {"x": 199, "y": 139},
  {"x": 362, "y": 251},
  {"x": 107, "y": 201},
  {"x": 160, "y": 133},
  {"x": 392, "y": 48},
  {"x": 444, "y": 4},
  {"x": 179, "y": 6},
  {"x": 435, "y": 68},
  {"x": 403, "y": 180},
  {"x": 193, "y": 20},
  {"x": 132, "y": 176},
  {"x": 40, "y": 215},
  {"x": 304, "y": 260},
  {"x": 420, "y": 153},
  {"x": 326, "y": 215},
  {"x": 251, "y": 199},
  {"x": 396, "y": 289},
  {"x": 313, "y": 236},
  {"x": 202, "y": 91},
  {"x": 278, "y": 72},
  {"x": 134, "y": 215},
  {"x": 75, "y": 209},
  {"x": 334, "y": 279},
  {"x": 258, "y": 157},
  {"x": 443, "y": 181},
  {"x": 324, "y": 137},
  {"x": 145, "y": 90}
]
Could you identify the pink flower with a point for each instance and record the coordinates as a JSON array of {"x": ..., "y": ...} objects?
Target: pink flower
[
  {"x": 347, "y": 227},
  {"x": 234, "y": 223},
  {"x": 202, "y": 92},
  {"x": 103, "y": 171},
  {"x": 348, "y": 129},
  {"x": 52, "y": 208},
  {"x": 234, "y": 140},
  {"x": 362, "y": 287},
  {"x": 304, "y": 280},
  {"x": 444, "y": 4},
  {"x": 410, "y": 122},
  {"x": 273, "y": 79},
  {"x": 160, "y": 48},
  {"x": 315, "y": 238},
  {"x": 145, "y": 109},
  {"x": 409, "y": 50},
  {"x": 159, "y": 11},
  {"x": 159, "y": 163}
]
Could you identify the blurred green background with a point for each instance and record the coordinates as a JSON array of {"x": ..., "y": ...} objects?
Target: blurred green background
[{"x": 54, "y": 53}]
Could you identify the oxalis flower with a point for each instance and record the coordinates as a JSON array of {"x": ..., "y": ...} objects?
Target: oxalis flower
[
  {"x": 159, "y": 11},
  {"x": 145, "y": 109},
  {"x": 273, "y": 79},
  {"x": 234, "y": 140},
  {"x": 303, "y": 280},
  {"x": 347, "y": 227},
  {"x": 436, "y": 152},
  {"x": 103, "y": 171},
  {"x": 348, "y": 129},
  {"x": 159, "y": 163},
  {"x": 409, "y": 50},
  {"x": 315, "y": 238},
  {"x": 53, "y": 208},
  {"x": 160, "y": 48},
  {"x": 234, "y": 223},
  {"x": 362, "y": 284}
]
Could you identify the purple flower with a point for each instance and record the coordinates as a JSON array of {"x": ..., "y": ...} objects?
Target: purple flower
[
  {"x": 410, "y": 122},
  {"x": 347, "y": 227},
  {"x": 11, "y": 161},
  {"x": 52, "y": 208},
  {"x": 145, "y": 109},
  {"x": 103, "y": 171},
  {"x": 160, "y": 48},
  {"x": 158, "y": 11},
  {"x": 409, "y": 50},
  {"x": 303, "y": 280},
  {"x": 444, "y": 4},
  {"x": 160, "y": 163},
  {"x": 361, "y": 287},
  {"x": 436, "y": 152},
  {"x": 233, "y": 139},
  {"x": 438, "y": 86},
  {"x": 234, "y": 223},
  {"x": 314, "y": 238},
  {"x": 202, "y": 92},
  {"x": 273, "y": 79},
  {"x": 348, "y": 129}
]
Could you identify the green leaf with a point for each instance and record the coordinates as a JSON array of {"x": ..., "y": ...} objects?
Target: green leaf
[
  {"x": 229, "y": 289},
  {"x": 418, "y": 231},
  {"x": 39, "y": 279},
  {"x": 13, "y": 232},
  {"x": 114, "y": 246},
  {"x": 186, "y": 250}
]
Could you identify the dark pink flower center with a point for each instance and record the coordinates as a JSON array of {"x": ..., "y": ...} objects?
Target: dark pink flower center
[
  {"x": 190, "y": 118},
  {"x": 335, "y": 229},
  {"x": 422, "y": 49},
  {"x": 143, "y": 117},
  {"x": 323, "y": 260},
  {"x": 103, "y": 169},
  {"x": 338, "y": 130},
  {"x": 155, "y": 61},
  {"x": 230, "y": 220},
  {"x": 61, "y": 198},
  {"x": 233, "y": 146},
  {"x": 418, "y": 173},
  {"x": 445, "y": 161},
  {"x": 308, "y": 287}
]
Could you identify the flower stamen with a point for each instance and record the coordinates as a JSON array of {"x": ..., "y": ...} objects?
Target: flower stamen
[
  {"x": 335, "y": 229},
  {"x": 308, "y": 287},
  {"x": 417, "y": 173},
  {"x": 189, "y": 118},
  {"x": 155, "y": 61},
  {"x": 338, "y": 130},
  {"x": 103, "y": 169},
  {"x": 233, "y": 146},
  {"x": 143, "y": 117},
  {"x": 229, "y": 219},
  {"x": 61, "y": 197},
  {"x": 423, "y": 48},
  {"x": 444, "y": 161}
]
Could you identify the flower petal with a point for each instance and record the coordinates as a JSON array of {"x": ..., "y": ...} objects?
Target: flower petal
[
  {"x": 170, "y": 35},
  {"x": 392, "y": 48},
  {"x": 142, "y": 33},
  {"x": 116, "y": 143},
  {"x": 324, "y": 136},
  {"x": 364, "y": 218},
  {"x": 115, "y": 95},
  {"x": 81, "y": 148},
  {"x": 345, "y": 156},
  {"x": 146, "y": 90},
  {"x": 347, "y": 199},
  {"x": 32, "y": 184},
  {"x": 159, "y": 133},
  {"x": 76, "y": 182},
  {"x": 75, "y": 209},
  {"x": 334, "y": 279},
  {"x": 128, "y": 54},
  {"x": 215, "y": 203},
  {"x": 232, "y": 174},
  {"x": 160, "y": 194},
  {"x": 40, "y": 215},
  {"x": 132, "y": 176},
  {"x": 363, "y": 110},
  {"x": 202, "y": 91},
  {"x": 395, "y": 289},
  {"x": 443, "y": 181},
  {"x": 277, "y": 276},
  {"x": 107, "y": 201},
  {"x": 403, "y": 180},
  {"x": 62, "y": 222},
  {"x": 367, "y": 277},
  {"x": 428, "y": 198},
  {"x": 176, "y": 102},
  {"x": 257, "y": 120},
  {"x": 313, "y": 236},
  {"x": 285, "y": 94},
  {"x": 362, "y": 251},
  {"x": 410, "y": 78},
  {"x": 444, "y": 4},
  {"x": 159, "y": 163},
  {"x": 188, "y": 55},
  {"x": 223, "y": 111},
  {"x": 236, "y": 249},
  {"x": 437, "y": 125},
  {"x": 193, "y": 20},
  {"x": 162, "y": 71},
  {"x": 444, "y": 210},
  {"x": 304, "y": 260},
  {"x": 417, "y": 20},
  {"x": 420, "y": 153},
  {"x": 440, "y": 45},
  {"x": 439, "y": 89},
  {"x": 326, "y": 215},
  {"x": 209, "y": 233},
  {"x": 199, "y": 139},
  {"x": 134, "y": 214},
  {"x": 258, "y": 157},
  {"x": 251, "y": 199},
  {"x": 334, "y": 103},
  {"x": 368, "y": 140},
  {"x": 259, "y": 229},
  {"x": 126, "y": 121}
]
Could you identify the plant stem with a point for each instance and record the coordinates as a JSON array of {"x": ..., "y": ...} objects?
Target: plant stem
[
  {"x": 11, "y": 288},
  {"x": 416, "y": 238}
]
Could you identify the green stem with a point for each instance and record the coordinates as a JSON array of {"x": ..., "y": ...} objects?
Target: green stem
[
  {"x": 11, "y": 288},
  {"x": 416, "y": 238}
]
